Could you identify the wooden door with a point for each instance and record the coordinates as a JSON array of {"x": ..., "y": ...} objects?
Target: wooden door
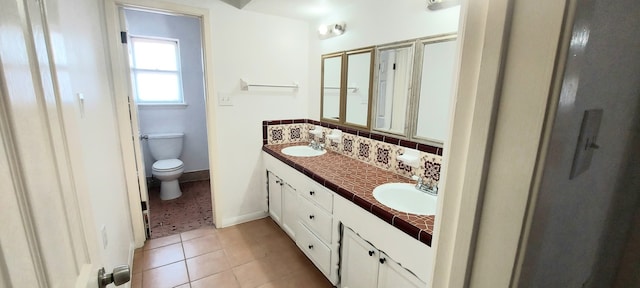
[
  {"x": 392, "y": 275},
  {"x": 275, "y": 197},
  {"x": 358, "y": 263},
  {"x": 289, "y": 210},
  {"x": 44, "y": 235}
]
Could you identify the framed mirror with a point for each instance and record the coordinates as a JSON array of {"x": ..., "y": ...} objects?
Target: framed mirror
[
  {"x": 331, "y": 87},
  {"x": 438, "y": 58},
  {"x": 393, "y": 87},
  {"x": 358, "y": 87}
]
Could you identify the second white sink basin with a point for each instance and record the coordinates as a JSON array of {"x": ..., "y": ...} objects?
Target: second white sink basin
[
  {"x": 302, "y": 151},
  {"x": 406, "y": 198}
]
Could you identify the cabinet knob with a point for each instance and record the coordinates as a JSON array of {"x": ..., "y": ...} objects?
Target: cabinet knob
[
  {"x": 371, "y": 252},
  {"x": 382, "y": 260},
  {"x": 312, "y": 193},
  {"x": 310, "y": 246},
  {"x": 311, "y": 217}
]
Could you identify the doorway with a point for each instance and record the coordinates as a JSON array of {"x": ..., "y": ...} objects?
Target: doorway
[
  {"x": 189, "y": 113},
  {"x": 167, "y": 80}
]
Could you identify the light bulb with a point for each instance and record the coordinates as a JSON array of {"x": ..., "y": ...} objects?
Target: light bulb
[{"x": 323, "y": 29}]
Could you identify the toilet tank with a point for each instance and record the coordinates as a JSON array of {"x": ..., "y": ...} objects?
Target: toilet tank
[{"x": 165, "y": 145}]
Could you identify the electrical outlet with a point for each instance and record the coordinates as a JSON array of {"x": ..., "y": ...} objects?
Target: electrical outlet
[{"x": 105, "y": 239}]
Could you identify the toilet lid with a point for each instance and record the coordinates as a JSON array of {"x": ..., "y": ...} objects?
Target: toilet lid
[{"x": 167, "y": 165}]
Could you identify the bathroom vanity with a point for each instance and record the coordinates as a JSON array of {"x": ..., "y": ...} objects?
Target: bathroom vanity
[{"x": 322, "y": 204}]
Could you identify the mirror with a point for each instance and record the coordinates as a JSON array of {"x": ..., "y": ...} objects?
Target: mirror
[
  {"x": 358, "y": 87},
  {"x": 412, "y": 91},
  {"x": 395, "y": 66},
  {"x": 436, "y": 88},
  {"x": 331, "y": 86}
]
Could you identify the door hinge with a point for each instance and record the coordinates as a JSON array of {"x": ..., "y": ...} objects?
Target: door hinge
[{"x": 123, "y": 37}]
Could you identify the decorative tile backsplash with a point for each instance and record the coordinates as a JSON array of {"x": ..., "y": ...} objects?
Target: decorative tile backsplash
[{"x": 374, "y": 149}]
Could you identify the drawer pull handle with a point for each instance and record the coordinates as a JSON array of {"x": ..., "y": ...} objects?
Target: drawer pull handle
[
  {"x": 382, "y": 260},
  {"x": 371, "y": 252},
  {"x": 310, "y": 246},
  {"x": 311, "y": 217},
  {"x": 312, "y": 193}
]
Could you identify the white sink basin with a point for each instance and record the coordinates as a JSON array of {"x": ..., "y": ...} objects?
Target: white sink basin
[
  {"x": 406, "y": 198},
  {"x": 302, "y": 151}
]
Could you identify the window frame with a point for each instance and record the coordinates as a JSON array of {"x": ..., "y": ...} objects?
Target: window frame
[{"x": 134, "y": 70}]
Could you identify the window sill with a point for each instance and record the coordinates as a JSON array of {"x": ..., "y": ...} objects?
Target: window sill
[{"x": 162, "y": 106}]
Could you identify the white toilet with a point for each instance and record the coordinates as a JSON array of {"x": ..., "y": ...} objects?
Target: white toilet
[{"x": 165, "y": 149}]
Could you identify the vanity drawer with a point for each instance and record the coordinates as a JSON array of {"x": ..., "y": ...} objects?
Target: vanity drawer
[
  {"x": 316, "y": 219},
  {"x": 318, "y": 194},
  {"x": 313, "y": 247}
]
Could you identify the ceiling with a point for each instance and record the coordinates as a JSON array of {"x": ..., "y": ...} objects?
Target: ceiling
[{"x": 306, "y": 10}]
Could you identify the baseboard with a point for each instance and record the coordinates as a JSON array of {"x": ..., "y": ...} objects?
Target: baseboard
[
  {"x": 242, "y": 219},
  {"x": 194, "y": 176},
  {"x": 185, "y": 177}
]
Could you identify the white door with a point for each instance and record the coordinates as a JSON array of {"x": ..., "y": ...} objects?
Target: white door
[
  {"x": 358, "y": 263},
  {"x": 392, "y": 275},
  {"x": 275, "y": 197},
  {"x": 43, "y": 242},
  {"x": 133, "y": 114},
  {"x": 289, "y": 212}
]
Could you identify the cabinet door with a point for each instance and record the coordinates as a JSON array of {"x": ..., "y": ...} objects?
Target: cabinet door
[
  {"x": 289, "y": 206},
  {"x": 359, "y": 262},
  {"x": 392, "y": 275},
  {"x": 275, "y": 197}
]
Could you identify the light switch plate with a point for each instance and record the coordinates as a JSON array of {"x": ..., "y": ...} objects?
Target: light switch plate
[
  {"x": 586, "y": 142},
  {"x": 225, "y": 99}
]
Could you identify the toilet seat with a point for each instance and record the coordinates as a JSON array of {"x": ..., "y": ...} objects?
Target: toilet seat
[{"x": 167, "y": 165}]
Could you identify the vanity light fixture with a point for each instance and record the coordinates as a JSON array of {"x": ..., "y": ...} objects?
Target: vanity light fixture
[{"x": 327, "y": 31}]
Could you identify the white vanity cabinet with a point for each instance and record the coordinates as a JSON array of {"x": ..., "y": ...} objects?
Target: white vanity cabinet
[
  {"x": 312, "y": 215},
  {"x": 364, "y": 266},
  {"x": 275, "y": 196},
  {"x": 304, "y": 210},
  {"x": 283, "y": 203},
  {"x": 316, "y": 228}
]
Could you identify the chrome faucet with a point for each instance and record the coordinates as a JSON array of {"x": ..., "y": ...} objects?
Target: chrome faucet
[
  {"x": 315, "y": 145},
  {"x": 425, "y": 187}
]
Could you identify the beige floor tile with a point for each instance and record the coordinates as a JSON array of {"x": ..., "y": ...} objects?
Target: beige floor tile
[
  {"x": 159, "y": 242},
  {"x": 254, "y": 273},
  {"x": 277, "y": 242},
  {"x": 224, "y": 279},
  {"x": 202, "y": 245},
  {"x": 162, "y": 256},
  {"x": 167, "y": 276},
  {"x": 207, "y": 264},
  {"x": 208, "y": 230},
  {"x": 232, "y": 236},
  {"x": 242, "y": 253},
  {"x": 136, "y": 280},
  {"x": 260, "y": 228},
  {"x": 253, "y": 254},
  {"x": 294, "y": 261}
]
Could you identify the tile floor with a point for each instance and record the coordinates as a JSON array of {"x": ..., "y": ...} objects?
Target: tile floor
[
  {"x": 253, "y": 254},
  {"x": 190, "y": 211}
]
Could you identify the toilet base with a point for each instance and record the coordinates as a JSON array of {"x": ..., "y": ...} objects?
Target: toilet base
[{"x": 170, "y": 190}]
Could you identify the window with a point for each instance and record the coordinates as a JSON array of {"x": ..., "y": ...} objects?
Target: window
[{"x": 155, "y": 69}]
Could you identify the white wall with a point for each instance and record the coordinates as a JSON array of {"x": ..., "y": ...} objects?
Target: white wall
[
  {"x": 372, "y": 23},
  {"x": 262, "y": 49},
  {"x": 81, "y": 61},
  {"x": 580, "y": 225},
  {"x": 191, "y": 120}
]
